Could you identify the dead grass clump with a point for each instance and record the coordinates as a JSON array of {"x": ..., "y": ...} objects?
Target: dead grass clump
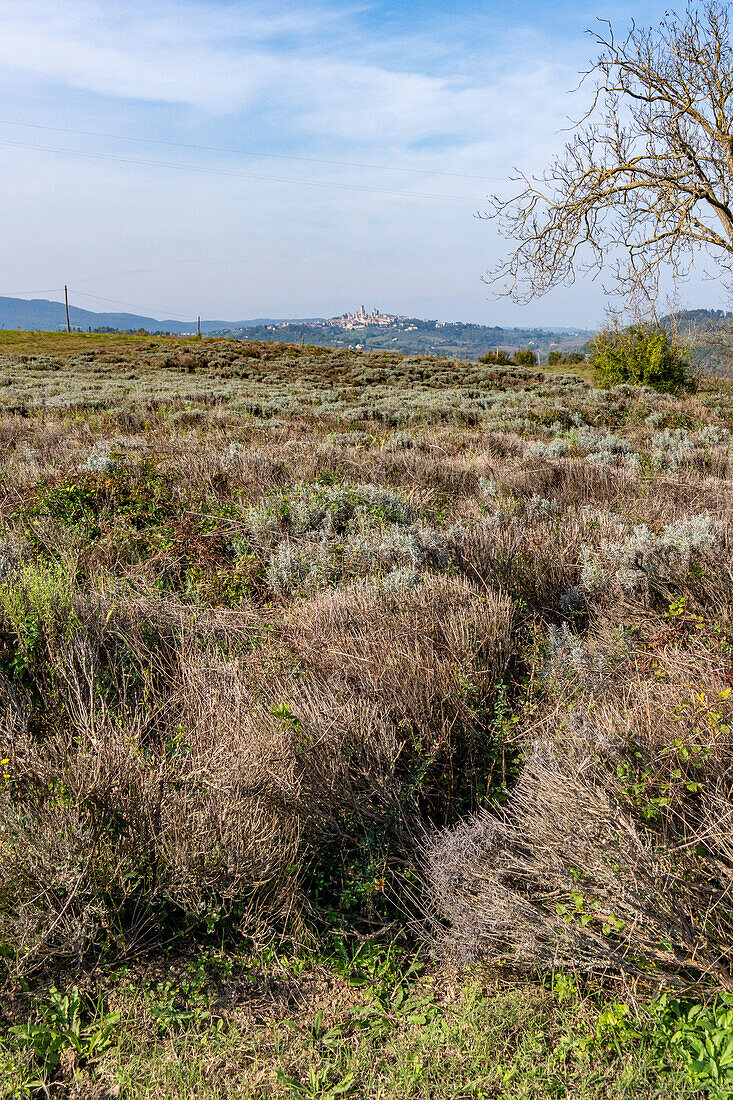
[
  {"x": 570, "y": 482},
  {"x": 50, "y": 906},
  {"x": 183, "y": 784},
  {"x": 153, "y": 798},
  {"x": 664, "y": 725},
  {"x": 535, "y": 559},
  {"x": 427, "y": 658},
  {"x": 613, "y": 852},
  {"x": 452, "y": 476},
  {"x": 563, "y": 876}
]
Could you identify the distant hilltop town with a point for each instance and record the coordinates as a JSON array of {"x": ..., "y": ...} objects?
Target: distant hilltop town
[
  {"x": 379, "y": 331},
  {"x": 347, "y": 321},
  {"x": 362, "y": 319}
]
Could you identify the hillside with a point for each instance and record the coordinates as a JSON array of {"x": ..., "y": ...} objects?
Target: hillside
[
  {"x": 409, "y": 335},
  {"x": 366, "y": 727},
  {"x": 412, "y": 336},
  {"x": 40, "y": 314},
  {"x": 709, "y": 335}
]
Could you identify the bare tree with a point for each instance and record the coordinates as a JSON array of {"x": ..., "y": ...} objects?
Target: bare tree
[{"x": 646, "y": 182}]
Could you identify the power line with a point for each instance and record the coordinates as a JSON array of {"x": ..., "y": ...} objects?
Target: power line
[
  {"x": 172, "y": 315},
  {"x": 254, "y": 153},
  {"x": 169, "y": 314},
  {"x": 229, "y": 172},
  {"x": 30, "y": 293}
]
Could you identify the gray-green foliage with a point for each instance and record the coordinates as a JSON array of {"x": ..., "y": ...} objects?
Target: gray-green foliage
[{"x": 643, "y": 561}]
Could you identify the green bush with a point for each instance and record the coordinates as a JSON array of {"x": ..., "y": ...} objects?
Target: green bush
[
  {"x": 90, "y": 501},
  {"x": 525, "y": 357},
  {"x": 497, "y": 358},
  {"x": 643, "y": 355},
  {"x": 558, "y": 358}
]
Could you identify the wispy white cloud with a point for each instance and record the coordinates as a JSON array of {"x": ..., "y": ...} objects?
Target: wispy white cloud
[
  {"x": 309, "y": 76},
  {"x": 118, "y": 50},
  {"x": 236, "y": 59}
]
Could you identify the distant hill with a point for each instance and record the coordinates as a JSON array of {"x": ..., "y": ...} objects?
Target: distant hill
[
  {"x": 410, "y": 336},
  {"x": 709, "y": 336},
  {"x": 39, "y": 313},
  {"x": 697, "y": 319},
  {"x": 46, "y": 316}
]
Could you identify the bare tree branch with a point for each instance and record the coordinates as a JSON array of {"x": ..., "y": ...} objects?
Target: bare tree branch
[{"x": 646, "y": 182}]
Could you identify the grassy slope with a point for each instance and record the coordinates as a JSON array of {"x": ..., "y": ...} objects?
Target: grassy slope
[
  {"x": 76, "y": 343},
  {"x": 109, "y": 544},
  {"x": 70, "y": 345}
]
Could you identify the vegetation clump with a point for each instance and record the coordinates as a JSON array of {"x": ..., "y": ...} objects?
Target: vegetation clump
[
  {"x": 337, "y": 673},
  {"x": 522, "y": 357},
  {"x": 641, "y": 354}
]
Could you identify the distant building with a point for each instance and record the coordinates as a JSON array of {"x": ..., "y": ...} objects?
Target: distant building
[{"x": 361, "y": 319}]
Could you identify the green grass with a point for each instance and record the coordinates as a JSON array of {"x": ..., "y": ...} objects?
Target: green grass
[
  {"x": 76, "y": 343},
  {"x": 289, "y": 1025}
]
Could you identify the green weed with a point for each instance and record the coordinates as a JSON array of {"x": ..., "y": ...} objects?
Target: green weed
[{"x": 66, "y": 1022}]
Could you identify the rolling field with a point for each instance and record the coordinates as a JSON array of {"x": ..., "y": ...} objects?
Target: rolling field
[{"x": 366, "y": 727}]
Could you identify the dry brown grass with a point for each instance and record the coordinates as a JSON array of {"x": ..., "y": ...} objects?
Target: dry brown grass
[{"x": 193, "y": 744}]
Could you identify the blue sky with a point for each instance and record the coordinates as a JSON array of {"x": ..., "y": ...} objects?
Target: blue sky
[{"x": 241, "y": 159}]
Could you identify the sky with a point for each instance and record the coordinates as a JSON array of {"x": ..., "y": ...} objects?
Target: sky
[{"x": 291, "y": 159}]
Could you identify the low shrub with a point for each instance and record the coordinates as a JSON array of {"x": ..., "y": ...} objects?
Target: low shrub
[
  {"x": 641, "y": 354},
  {"x": 187, "y": 787},
  {"x": 564, "y": 876}
]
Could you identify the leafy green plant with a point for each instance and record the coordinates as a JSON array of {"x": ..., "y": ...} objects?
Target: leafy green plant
[
  {"x": 141, "y": 495},
  {"x": 320, "y": 1084},
  {"x": 671, "y": 1032},
  {"x": 34, "y": 605},
  {"x": 317, "y": 1034},
  {"x": 389, "y": 1008},
  {"x": 641, "y": 354},
  {"x": 701, "y": 1037},
  {"x": 378, "y": 966},
  {"x": 18, "y": 1077},
  {"x": 175, "y": 1007},
  {"x": 62, "y": 1025}
]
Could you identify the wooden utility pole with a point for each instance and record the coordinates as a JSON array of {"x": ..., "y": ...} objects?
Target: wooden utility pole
[
  {"x": 198, "y": 327},
  {"x": 66, "y": 299}
]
